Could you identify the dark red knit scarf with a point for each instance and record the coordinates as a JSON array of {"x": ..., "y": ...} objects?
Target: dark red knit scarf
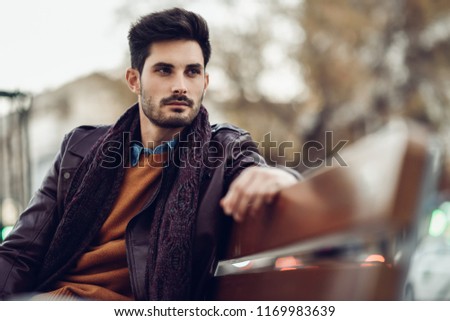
[
  {"x": 172, "y": 231},
  {"x": 94, "y": 189}
]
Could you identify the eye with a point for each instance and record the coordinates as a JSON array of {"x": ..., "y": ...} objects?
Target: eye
[
  {"x": 192, "y": 72},
  {"x": 163, "y": 71}
]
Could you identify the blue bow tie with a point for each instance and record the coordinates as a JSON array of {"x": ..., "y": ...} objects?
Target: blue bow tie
[{"x": 137, "y": 149}]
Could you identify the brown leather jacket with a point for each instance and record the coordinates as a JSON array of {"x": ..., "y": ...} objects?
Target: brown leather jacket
[{"x": 23, "y": 251}]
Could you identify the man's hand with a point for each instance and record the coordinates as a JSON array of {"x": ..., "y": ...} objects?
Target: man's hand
[{"x": 254, "y": 188}]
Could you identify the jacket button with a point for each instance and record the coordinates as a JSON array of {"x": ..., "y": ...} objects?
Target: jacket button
[{"x": 66, "y": 175}]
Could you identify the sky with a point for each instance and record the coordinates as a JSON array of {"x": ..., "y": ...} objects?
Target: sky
[{"x": 46, "y": 43}]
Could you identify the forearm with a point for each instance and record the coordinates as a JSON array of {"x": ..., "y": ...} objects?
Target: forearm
[{"x": 23, "y": 250}]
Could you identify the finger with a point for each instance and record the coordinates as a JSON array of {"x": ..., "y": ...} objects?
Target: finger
[
  {"x": 242, "y": 198},
  {"x": 270, "y": 193},
  {"x": 264, "y": 194},
  {"x": 256, "y": 205},
  {"x": 251, "y": 197},
  {"x": 231, "y": 199},
  {"x": 228, "y": 201},
  {"x": 242, "y": 205}
]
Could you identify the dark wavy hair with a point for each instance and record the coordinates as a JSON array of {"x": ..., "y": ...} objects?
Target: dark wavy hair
[{"x": 171, "y": 24}]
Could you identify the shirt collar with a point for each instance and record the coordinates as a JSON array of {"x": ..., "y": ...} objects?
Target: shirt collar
[{"x": 137, "y": 149}]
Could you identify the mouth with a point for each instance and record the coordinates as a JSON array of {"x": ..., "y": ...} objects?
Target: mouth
[
  {"x": 178, "y": 106},
  {"x": 178, "y": 103}
]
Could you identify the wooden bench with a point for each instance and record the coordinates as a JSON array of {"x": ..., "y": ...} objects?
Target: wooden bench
[{"x": 344, "y": 233}]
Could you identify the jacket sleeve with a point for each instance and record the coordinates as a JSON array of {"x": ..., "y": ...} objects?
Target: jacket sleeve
[
  {"x": 242, "y": 153},
  {"x": 22, "y": 252}
]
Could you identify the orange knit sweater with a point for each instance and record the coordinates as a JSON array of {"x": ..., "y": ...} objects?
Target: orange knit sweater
[{"x": 101, "y": 273}]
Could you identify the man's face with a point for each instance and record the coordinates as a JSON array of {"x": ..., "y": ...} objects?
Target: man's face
[{"x": 172, "y": 83}]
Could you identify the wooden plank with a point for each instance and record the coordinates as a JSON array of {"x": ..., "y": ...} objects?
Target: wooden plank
[{"x": 350, "y": 282}]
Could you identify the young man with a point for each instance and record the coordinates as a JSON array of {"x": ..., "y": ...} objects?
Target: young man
[{"x": 134, "y": 211}]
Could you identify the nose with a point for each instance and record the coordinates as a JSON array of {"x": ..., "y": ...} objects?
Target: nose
[{"x": 179, "y": 86}]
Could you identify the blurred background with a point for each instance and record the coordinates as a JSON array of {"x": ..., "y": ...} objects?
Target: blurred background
[{"x": 292, "y": 68}]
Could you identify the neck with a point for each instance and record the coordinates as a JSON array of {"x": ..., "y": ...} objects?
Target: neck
[{"x": 152, "y": 135}]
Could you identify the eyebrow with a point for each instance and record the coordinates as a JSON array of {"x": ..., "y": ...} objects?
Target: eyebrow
[
  {"x": 167, "y": 65},
  {"x": 163, "y": 64},
  {"x": 199, "y": 66}
]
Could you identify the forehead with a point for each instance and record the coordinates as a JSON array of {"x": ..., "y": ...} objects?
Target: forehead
[{"x": 175, "y": 52}]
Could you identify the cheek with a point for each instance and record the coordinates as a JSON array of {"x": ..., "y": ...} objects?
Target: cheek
[
  {"x": 198, "y": 88},
  {"x": 156, "y": 87}
]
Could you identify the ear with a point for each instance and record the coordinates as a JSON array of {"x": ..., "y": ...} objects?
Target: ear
[
  {"x": 206, "y": 83},
  {"x": 133, "y": 80}
]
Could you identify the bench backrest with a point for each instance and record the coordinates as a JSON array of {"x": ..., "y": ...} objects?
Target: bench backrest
[{"x": 344, "y": 233}]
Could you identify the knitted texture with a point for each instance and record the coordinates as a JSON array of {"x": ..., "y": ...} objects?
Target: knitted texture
[{"x": 172, "y": 232}]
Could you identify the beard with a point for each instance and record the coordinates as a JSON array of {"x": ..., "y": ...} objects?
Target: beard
[{"x": 169, "y": 119}]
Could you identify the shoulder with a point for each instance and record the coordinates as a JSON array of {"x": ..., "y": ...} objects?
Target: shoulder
[
  {"x": 227, "y": 127},
  {"x": 80, "y": 139},
  {"x": 226, "y": 132},
  {"x": 235, "y": 142},
  {"x": 88, "y": 130}
]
